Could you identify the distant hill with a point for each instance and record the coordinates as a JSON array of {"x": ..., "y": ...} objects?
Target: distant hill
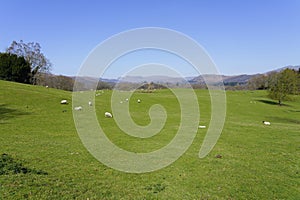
[
  {"x": 296, "y": 67},
  {"x": 228, "y": 80},
  {"x": 155, "y": 79},
  {"x": 237, "y": 79},
  {"x": 241, "y": 79}
]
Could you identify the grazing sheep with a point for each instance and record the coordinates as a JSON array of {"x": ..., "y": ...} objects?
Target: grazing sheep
[
  {"x": 107, "y": 114},
  {"x": 126, "y": 100},
  {"x": 201, "y": 126},
  {"x": 78, "y": 108},
  {"x": 90, "y": 103},
  {"x": 47, "y": 86},
  {"x": 139, "y": 101},
  {"x": 64, "y": 102},
  {"x": 266, "y": 123}
]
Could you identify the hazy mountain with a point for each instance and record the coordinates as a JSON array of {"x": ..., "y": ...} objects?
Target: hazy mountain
[
  {"x": 237, "y": 79},
  {"x": 296, "y": 67},
  {"x": 109, "y": 80},
  {"x": 227, "y": 79},
  {"x": 155, "y": 79}
]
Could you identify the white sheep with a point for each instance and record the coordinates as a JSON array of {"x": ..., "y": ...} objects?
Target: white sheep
[
  {"x": 47, "y": 86},
  {"x": 201, "y": 126},
  {"x": 126, "y": 99},
  {"x": 266, "y": 123},
  {"x": 107, "y": 114},
  {"x": 63, "y": 101},
  {"x": 78, "y": 108},
  {"x": 139, "y": 101},
  {"x": 90, "y": 103}
]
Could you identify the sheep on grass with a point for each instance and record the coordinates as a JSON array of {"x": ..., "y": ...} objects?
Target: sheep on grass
[
  {"x": 266, "y": 123},
  {"x": 64, "y": 102},
  {"x": 78, "y": 108},
  {"x": 108, "y": 114}
]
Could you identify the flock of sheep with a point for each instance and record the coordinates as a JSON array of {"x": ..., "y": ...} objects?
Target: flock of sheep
[
  {"x": 106, "y": 114},
  {"x": 109, "y": 115}
]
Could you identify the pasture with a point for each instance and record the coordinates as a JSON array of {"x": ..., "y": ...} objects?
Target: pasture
[{"x": 38, "y": 134}]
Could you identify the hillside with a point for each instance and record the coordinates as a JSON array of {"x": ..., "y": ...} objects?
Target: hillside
[{"x": 38, "y": 134}]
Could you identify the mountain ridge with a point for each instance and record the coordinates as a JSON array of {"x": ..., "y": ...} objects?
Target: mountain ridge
[{"x": 227, "y": 79}]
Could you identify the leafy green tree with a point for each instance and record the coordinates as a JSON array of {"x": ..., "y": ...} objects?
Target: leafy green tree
[
  {"x": 14, "y": 68},
  {"x": 282, "y": 84},
  {"x": 33, "y": 55}
]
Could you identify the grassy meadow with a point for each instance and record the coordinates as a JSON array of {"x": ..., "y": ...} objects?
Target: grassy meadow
[{"x": 38, "y": 136}]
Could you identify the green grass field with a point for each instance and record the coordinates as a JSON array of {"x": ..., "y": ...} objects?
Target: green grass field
[{"x": 258, "y": 162}]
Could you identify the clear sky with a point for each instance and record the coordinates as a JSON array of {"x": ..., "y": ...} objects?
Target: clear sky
[{"x": 241, "y": 36}]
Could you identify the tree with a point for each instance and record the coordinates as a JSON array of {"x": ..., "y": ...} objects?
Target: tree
[
  {"x": 14, "y": 68},
  {"x": 282, "y": 84},
  {"x": 32, "y": 53}
]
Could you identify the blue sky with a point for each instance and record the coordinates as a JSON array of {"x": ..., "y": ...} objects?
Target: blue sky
[{"x": 252, "y": 36}]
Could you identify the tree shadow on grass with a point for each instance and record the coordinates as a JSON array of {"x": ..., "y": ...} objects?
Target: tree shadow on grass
[
  {"x": 9, "y": 165},
  {"x": 294, "y": 110},
  {"x": 8, "y": 113},
  {"x": 270, "y": 102}
]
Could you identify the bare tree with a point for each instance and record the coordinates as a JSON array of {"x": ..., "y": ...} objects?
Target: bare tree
[
  {"x": 32, "y": 53},
  {"x": 258, "y": 82}
]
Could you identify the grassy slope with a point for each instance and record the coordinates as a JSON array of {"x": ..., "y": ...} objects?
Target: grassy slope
[{"x": 258, "y": 162}]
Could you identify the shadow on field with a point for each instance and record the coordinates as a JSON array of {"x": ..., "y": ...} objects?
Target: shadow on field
[
  {"x": 286, "y": 120},
  {"x": 270, "y": 102},
  {"x": 9, "y": 165},
  {"x": 294, "y": 110},
  {"x": 7, "y": 113}
]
